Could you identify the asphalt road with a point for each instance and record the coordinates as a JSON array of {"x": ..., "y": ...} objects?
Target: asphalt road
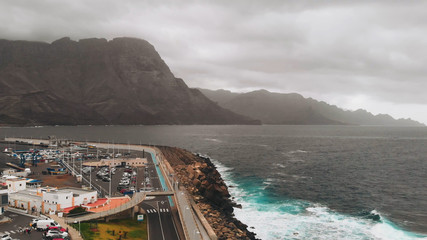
[
  {"x": 18, "y": 221},
  {"x": 160, "y": 219}
]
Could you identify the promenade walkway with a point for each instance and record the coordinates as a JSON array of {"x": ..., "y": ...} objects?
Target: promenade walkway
[
  {"x": 75, "y": 235},
  {"x": 137, "y": 198}
]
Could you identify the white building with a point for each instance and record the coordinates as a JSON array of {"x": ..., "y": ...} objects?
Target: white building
[
  {"x": 49, "y": 199},
  {"x": 55, "y": 200},
  {"x": 28, "y": 200},
  {"x": 82, "y": 196},
  {"x": 16, "y": 184},
  {"x": 13, "y": 172}
]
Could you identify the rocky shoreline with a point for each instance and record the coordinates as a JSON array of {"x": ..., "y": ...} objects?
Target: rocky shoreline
[{"x": 209, "y": 191}]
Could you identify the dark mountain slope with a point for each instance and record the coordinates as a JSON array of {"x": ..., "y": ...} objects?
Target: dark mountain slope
[
  {"x": 95, "y": 81},
  {"x": 280, "y": 108}
]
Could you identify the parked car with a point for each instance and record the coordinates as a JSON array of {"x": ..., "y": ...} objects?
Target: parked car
[
  {"x": 56, "y": 233},
  {"x": 6, "y": 237},
  {"x": 45, "y": 224},
  {"x": 58, "y": 228},
  {"x": 124, "y": 183}
]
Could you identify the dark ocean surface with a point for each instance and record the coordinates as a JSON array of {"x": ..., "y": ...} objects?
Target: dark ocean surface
[{"x": 301, "y": 182}]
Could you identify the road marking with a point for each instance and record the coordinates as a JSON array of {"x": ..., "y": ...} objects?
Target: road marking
[
  {"x": 167, "y": 209},
  {"x": 12, "y": 232},
  {"x": 6, "y": 232},
  {"x": 154, "y": 210}
]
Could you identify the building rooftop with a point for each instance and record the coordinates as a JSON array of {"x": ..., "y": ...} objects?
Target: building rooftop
[
  {"x": 26, "y": 194},
  {"x": 76, "y": 190}
]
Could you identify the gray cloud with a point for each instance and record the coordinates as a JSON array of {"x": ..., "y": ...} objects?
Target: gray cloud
[{"x": 356, "y": 54}]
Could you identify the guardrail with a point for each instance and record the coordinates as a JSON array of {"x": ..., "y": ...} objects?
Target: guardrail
[{"x": 135, "y": 200}]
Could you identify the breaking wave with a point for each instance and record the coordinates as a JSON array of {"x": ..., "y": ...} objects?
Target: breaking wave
[{"x": 296, "y": 219}]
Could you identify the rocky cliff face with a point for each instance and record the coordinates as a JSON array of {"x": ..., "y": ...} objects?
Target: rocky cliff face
[
  {"x": 209, "y": 191},
  {"x": 95, "y": 81},
  {"x": 292, "y": 108}
]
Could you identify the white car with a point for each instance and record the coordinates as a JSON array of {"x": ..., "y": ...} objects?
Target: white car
[
  {"x": 6, "y": 237},
  {"x": 56, "y": 233},
  {"x": 123, "y": 183}
]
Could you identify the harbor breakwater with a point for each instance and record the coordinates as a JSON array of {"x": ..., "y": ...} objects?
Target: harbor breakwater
[{"x": 209, "y": 191}]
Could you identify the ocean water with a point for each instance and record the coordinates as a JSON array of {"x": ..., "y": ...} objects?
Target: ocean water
[{"x": 301, "y": 182}]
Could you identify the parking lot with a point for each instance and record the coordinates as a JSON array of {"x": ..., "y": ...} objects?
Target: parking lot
[{"x": 124, "y": 180}]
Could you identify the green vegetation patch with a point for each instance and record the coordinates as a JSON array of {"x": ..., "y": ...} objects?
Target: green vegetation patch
[{"x": 126, "y": 228}]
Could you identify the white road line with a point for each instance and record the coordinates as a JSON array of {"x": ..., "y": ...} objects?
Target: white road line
[
  {"x": 12, "y": 232},
  {"x": 167, "y": 209},
  {"x": 148, "y": 210},
  {"x": 6, "y": 232},
  {"x": 154, "y": 210}
]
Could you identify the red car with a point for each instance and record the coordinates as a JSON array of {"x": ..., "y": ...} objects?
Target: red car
[{"x": 57, "y": 228}]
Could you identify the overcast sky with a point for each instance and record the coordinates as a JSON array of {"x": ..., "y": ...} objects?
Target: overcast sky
[{"x": 355, "y": 54}]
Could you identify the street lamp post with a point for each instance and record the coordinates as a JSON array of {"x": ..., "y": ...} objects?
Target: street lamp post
[
  {"x": 90, "y": 177},
  {"x": 110, "y": 172}
]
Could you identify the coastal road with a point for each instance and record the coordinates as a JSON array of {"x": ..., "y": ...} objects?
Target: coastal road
[{"x": 159, "y": 214}]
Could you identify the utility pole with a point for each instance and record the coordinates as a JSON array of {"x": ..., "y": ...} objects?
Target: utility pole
[{"x": 90, "y": 177}]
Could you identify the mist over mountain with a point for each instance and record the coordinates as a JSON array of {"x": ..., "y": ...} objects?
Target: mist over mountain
[
  {"x": 95, "y": 81},
  {"x": 292, "y": 108}
]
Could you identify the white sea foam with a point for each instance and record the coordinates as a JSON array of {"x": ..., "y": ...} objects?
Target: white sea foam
[
  {"x": 297, "y": 151},
  {"x": 302, "y": 220},
  {"x": 280, "y": 165},
  {"x": 213, "y": 140}
]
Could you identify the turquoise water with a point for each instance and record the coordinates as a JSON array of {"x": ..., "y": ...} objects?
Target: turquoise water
[{"x": 281, "y": 218}]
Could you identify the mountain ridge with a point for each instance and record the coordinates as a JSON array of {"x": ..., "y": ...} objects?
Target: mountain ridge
[
  {"x": 98, "y": 81},
  {"x": 294, "y": 109}
]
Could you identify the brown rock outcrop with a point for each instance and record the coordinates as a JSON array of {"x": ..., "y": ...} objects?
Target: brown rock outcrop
[{"x": 209, "y": 191}]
